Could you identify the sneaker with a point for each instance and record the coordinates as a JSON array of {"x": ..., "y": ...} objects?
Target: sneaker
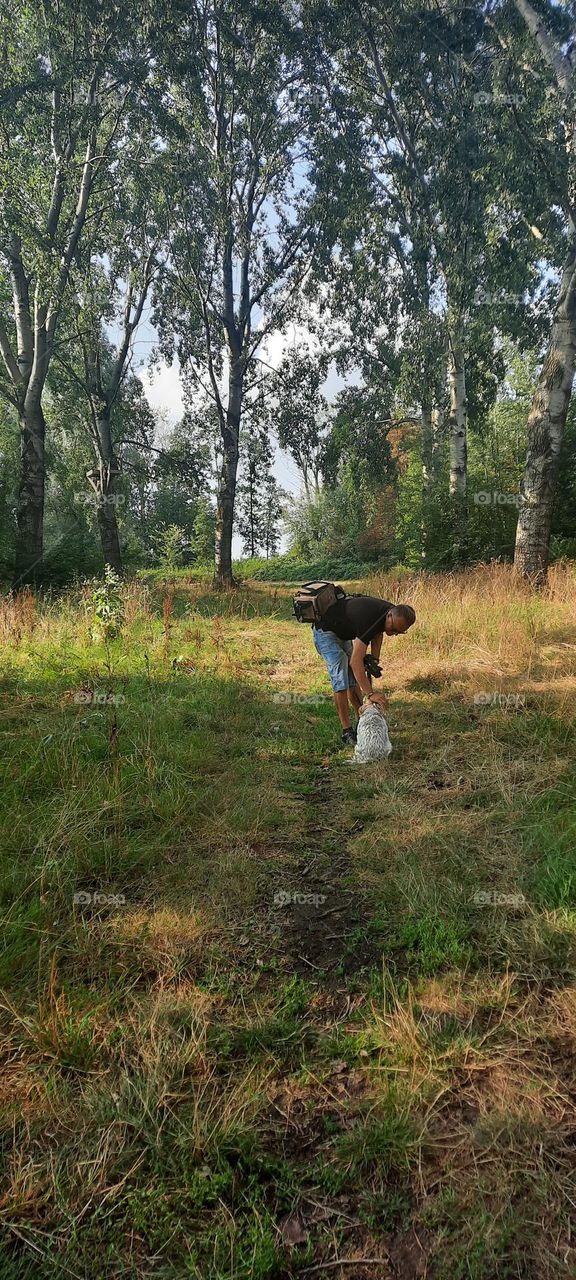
[{"x": 349, "y": 736}]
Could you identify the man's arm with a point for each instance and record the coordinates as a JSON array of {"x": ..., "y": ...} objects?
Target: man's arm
[
  {"x": 376, "y": 645},
  {"x": 360, "y": 674}
]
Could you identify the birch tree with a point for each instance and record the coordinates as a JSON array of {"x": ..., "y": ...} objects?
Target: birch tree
[
  {"x": 552, "y": 39},
  {"x": 417, "y": 98},
  {"x": 245, "y": 210},
  {"x": 435, "y": 174},
  {"x": 109, "y": 290},
  {"x": 56, "y": 144}
]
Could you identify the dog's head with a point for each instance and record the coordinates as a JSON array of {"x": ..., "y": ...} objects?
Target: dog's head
[{"x": 370, "y": 706}]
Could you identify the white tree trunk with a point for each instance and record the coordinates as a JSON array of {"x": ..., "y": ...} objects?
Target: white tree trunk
[
  {"x": 545, "y": 430},
  {"x": 552, "y": 394},
  {"x": 427, "y": 437},
  {"x": 457, "y": 420},
  {"x": 427, "y": 478},
  {"x": 437, "y": 439},
  {"x": 230, "y": 430}
]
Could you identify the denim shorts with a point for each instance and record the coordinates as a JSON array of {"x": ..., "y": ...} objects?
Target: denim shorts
[{"x": 336, "y": 654}]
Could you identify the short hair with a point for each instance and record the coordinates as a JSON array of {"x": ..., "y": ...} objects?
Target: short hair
[{"x": 404, "y": 612}]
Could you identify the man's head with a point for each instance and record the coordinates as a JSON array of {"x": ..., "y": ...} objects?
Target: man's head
[{"x": 398, "y": 619}]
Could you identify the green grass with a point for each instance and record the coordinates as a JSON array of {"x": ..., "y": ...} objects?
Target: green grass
[{"x": 189, "y": 1062}]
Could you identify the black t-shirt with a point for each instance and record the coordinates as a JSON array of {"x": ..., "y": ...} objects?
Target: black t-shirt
[{"x": 356, "y": 617}]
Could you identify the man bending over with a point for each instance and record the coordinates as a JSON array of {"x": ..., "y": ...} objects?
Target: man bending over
[{"x": 348, "y": 628}]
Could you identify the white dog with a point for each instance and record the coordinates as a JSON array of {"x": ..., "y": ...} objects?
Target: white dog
[{"x": 372, "y": 742}]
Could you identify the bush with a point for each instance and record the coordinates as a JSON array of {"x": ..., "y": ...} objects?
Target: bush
[
  {"x": 290, "y": 568},
  {"x": 184, "y": 573}
]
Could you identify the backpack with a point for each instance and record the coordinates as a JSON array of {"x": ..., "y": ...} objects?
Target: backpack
[{"x": 313, "y": 600}]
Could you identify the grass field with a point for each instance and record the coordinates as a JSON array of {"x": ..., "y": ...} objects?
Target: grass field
[{"x": 264, "y": 1013}]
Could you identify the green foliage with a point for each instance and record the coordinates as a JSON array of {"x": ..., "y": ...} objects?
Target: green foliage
[
  {"x": 107, "y": 607},
  {"x": 203, "y": 532},
  {"x": 259, "y": 498},
  {"x": 358, "y": 439},
  {"x": 348, "y": 521},
  {"x": 179, "y": 477},
  {"x": 381, "y": 303},
  {"x": 9, "y": 457},
  {"x": 291, "y": 568},
  {"x": 300, "y": 412},
  {"x": 170, "y": 547}
]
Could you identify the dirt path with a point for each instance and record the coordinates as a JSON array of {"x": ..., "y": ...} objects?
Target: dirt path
[{"x": 326, "y": 911}]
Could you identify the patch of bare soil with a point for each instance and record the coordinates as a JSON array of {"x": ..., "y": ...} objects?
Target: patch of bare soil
[
  {"x": 324, "y": 913},
  {"x": 409, "y": 1252}
]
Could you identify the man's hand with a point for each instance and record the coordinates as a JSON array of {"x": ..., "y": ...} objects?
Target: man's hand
[{"x": 380, "y": 700}]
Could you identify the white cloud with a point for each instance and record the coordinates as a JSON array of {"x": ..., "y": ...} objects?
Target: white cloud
[{"x": 163, "y": 389}]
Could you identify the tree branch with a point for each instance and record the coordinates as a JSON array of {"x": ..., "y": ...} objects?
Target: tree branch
[
  {"x": 9, "y": 358},
  {"x": 73, "y": 238},
  {"x": 549, "y": 47},
  {"x": 21, "y": 298}
]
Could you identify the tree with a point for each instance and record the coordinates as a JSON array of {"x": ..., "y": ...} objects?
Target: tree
[
  {"x": 54, "y": 152},
  {"x": 299, "y": 413},
  {"x": 407, "y": 106},
  {"x": 111, "y": 286},
  {"x": 407, "y": 73},
  {"x": 547, "y": 417},
  {"x": 358, "y": 435},
  {"x": 204, "y": 532},
  {"x": 244, "y": 207},
  {"x": 181, "y": 475},
  {"x": 259, "y": 505},
  {"x": 71, "y": 527},
  {"x": 8, "y": 481},
  {"x": 273, "y": 509}
]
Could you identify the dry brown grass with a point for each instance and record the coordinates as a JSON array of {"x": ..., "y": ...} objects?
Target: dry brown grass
[{"x": 166, "y": 1045}]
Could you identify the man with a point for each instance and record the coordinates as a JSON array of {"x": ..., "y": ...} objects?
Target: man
[{"x": 348, "y": 627}]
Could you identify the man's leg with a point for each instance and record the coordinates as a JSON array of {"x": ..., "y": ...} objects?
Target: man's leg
[
  {"x": 355, "y": 698},
  {"x": 341, "y": 700},
  {"x": 335, "y": 654}
]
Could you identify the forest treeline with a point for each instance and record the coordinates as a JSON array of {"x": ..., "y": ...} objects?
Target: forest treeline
[{"x": 382, "y": 191}]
